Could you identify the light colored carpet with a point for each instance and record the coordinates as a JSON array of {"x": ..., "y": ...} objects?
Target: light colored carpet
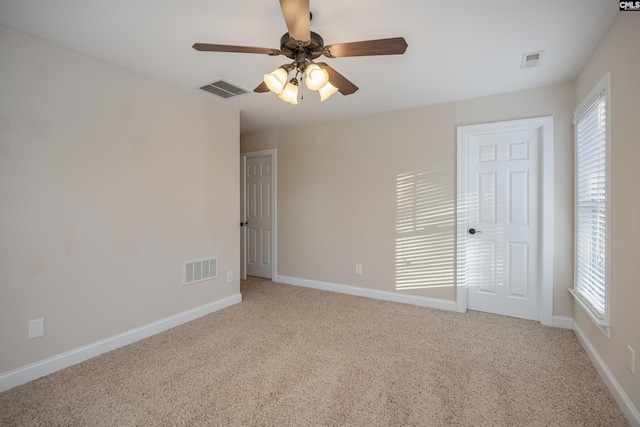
[{"x": 289, "y": 356}]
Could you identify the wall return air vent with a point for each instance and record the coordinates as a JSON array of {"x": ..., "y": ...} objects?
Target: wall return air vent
[
  {"x": 223, "y": 89},
  {"x": 197, "y": 271}
]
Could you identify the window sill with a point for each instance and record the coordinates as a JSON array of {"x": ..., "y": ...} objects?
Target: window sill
[{"x": 604, "y": 326}]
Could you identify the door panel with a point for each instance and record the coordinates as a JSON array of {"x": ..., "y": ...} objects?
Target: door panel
[
  {"x": 265, "y": 206},
  {"x": 488, "y": 266},
  {"x": 252, "y": 253},
  {"x": 266, "y": 247},
  {"x": 518, "y": 269},
  {"x": 519, "y": 198},
  {"x": 487, "y": 189}
]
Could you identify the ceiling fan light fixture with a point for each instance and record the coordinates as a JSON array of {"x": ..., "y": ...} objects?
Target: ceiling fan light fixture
[
  {"x": 276, "y": 80},
  {"x": 326, "y": 91},
  {"x": 290, "y": 92},
  {"x": 303, "y": 46},
  {"x": 316, "y": 77}
]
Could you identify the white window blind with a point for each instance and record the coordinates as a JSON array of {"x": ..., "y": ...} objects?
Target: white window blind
[{"x": 591, "y": 207}]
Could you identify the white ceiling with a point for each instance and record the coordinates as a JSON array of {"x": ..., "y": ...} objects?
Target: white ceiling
[{"x": 457, "y": 49}]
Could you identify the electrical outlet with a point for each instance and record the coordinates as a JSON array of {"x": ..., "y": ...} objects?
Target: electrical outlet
[
  {"x": 358, "y": 268},
  {"x": 36, "y": 328},
  {"x": 631, "y": 359},
  {"x": 229, "y": 276}
]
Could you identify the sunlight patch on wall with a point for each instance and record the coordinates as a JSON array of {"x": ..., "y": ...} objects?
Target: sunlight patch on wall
[
  {"x": 481, "y": 260},
  {"x": 425, "y": 230},
  {"x": 482, "y": 257}
]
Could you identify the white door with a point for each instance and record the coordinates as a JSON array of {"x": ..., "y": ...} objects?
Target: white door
[
  {"x": 503, "y": 223},
  {"x": 243, "y": 210},
  {"x": 259, "y": 216}
]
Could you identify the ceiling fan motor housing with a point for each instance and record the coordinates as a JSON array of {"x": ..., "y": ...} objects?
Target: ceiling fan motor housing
[{"x": 302, "y": 55}]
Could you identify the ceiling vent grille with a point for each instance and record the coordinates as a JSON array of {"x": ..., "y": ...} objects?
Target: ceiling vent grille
[
  {"x": 223, "y": 89},
  {"x": 530, "y": 60}
]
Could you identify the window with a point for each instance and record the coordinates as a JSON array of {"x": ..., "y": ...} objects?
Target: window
[{"x": 591, "y": 126}]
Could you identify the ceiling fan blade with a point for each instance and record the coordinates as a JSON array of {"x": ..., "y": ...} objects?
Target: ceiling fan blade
[
  {"x": 206, "y": 47},
  {"x": 344, "y": 86},
  {"x": 392, "y": 46},
  {"x": 298, "y": 18},
  {"x": 262, "y": 88}
]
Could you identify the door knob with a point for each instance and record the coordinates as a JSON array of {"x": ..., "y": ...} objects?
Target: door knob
[
  {"x": 474, "y": 231},
  {"x": 244, "y": 224}
]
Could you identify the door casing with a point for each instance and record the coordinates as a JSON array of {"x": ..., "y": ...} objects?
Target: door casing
[{"x": 544, "y": 125}]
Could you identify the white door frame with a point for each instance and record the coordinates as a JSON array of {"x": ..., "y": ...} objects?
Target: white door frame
[
  {"x": 544, "y": 125},
  {"x": 243, "y": 206}
]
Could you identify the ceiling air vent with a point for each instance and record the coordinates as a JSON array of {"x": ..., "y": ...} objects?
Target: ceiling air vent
[
  {"x": 223, "y": 89},
  {"x": 530, "y": 60}
]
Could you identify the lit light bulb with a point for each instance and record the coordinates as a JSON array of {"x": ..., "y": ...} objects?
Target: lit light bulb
[
  {"x": 290, "y": 92},
  {"x": 327, "y": 90},
  {"x": 316, "y": 77},
  {"x": 276, "y": 80}
]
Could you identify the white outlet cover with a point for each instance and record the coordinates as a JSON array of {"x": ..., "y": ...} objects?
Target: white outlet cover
[
  {"x": 631, "y": 359},
  {"x": 36, "y": 328},
  {"x": 229, "y": 276}
]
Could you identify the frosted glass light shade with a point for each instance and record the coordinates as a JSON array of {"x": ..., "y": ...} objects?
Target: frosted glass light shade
[
  {"x": 316, "y": 77},
  {"x": 327, "y": 90},
  {"x": 290, "y": 93},
  {"x": 276, "y": 81}
]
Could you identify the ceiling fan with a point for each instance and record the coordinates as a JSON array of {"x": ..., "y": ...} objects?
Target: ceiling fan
[{"x": 303, "y": 46}]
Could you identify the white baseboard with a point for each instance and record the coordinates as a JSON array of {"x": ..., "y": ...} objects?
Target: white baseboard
[
  {"x": 627, "y": 407},
  {"x": 370, "y": 293},
  {"x": 52, "y": 364},
  {"x": 562, "y": 322}
]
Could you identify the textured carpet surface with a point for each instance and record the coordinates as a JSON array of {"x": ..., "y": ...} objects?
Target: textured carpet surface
[{"x": 290, "y": 356}]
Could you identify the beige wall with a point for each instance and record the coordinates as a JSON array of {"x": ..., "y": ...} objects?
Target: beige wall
[
  {"x": 108, "y": 182},
  {"x": 341, "y": 187},
  {"x": 617, "y": 53}
]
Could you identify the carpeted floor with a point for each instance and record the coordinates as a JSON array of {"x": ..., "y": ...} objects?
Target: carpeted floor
[{"x": 290, "y": 356}]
